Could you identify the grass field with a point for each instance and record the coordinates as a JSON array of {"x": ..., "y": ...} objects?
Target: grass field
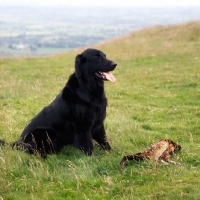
[{"x": 156, "y": 95}]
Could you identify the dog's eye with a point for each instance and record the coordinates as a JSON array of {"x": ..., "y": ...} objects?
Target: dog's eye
[{"x": 97, "y": 56}]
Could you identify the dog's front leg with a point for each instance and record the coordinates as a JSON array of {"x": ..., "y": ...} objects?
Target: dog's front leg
[
  {"x": 100, "y": 137},
  {"x": 83, "y": 140}
]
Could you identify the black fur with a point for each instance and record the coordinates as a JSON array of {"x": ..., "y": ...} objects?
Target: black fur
[
  {"x": 2, "y": 142},
  {"x": 76, "y": 115}
]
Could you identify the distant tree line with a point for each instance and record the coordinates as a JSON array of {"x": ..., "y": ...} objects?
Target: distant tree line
[{"x": 47, "y": 41}]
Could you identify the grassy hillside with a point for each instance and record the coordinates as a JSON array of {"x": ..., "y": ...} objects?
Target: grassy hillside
[{"x": 157, "y": 95}]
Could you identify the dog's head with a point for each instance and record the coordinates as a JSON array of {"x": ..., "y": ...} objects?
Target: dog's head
[{"x": 93, "y": 64}]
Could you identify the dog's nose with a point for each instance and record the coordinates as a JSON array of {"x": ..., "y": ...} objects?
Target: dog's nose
[{"x": 114, "y": 64}]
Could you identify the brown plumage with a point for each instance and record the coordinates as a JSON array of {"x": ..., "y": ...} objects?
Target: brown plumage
[{"x": 160, "y": 151}]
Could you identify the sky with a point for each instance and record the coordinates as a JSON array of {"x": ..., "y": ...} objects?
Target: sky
[{"x": 101, "y": 2}]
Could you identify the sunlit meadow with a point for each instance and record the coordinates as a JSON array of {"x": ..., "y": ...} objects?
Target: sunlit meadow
[{"x": 156, "y": 95}]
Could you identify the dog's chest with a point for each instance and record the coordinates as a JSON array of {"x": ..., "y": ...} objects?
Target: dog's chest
[
  {"x": 97, "y": 108},
  {"x": 99, "y": 105}
]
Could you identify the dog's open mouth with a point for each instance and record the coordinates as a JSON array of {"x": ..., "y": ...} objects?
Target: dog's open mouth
[{"x": 106, "y": 76}]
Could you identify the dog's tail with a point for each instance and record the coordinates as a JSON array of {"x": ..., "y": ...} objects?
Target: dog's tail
[
  {"x": 136, "y": 157},
  {"x": 2, "y": 142}
]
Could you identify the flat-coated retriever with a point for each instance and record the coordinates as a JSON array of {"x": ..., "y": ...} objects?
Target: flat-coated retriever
[{"x": 77, "y": 114}]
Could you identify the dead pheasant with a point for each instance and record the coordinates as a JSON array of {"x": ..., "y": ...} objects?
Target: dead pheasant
[{"x": 160, "y": 151}]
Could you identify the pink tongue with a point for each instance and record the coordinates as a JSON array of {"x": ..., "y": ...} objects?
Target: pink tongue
[{"x": 109, "y": 76}]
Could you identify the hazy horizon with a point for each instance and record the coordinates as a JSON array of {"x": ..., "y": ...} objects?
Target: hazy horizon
[{"x": 37, "y": 31}]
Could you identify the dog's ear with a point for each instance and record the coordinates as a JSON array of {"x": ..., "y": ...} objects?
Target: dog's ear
[
  {"x": 79, "y": 61},
  {"x": 80, "y": 58}
]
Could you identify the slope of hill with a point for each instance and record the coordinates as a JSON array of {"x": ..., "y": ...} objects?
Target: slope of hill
[{"x": 157, "y": 95}]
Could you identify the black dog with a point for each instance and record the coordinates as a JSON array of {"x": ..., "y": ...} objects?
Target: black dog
[{"x": 76, "y": 115}]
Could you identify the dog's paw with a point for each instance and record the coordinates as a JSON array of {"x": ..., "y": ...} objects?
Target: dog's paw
[
  {"x": 86, "y": 148},
  {"x": 87, "y": 151}
]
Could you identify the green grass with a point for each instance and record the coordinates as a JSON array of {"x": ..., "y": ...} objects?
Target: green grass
[{"x": 157, "y": 95}]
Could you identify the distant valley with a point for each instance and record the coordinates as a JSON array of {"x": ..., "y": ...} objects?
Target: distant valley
[{"x": 41, "y": 31}]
